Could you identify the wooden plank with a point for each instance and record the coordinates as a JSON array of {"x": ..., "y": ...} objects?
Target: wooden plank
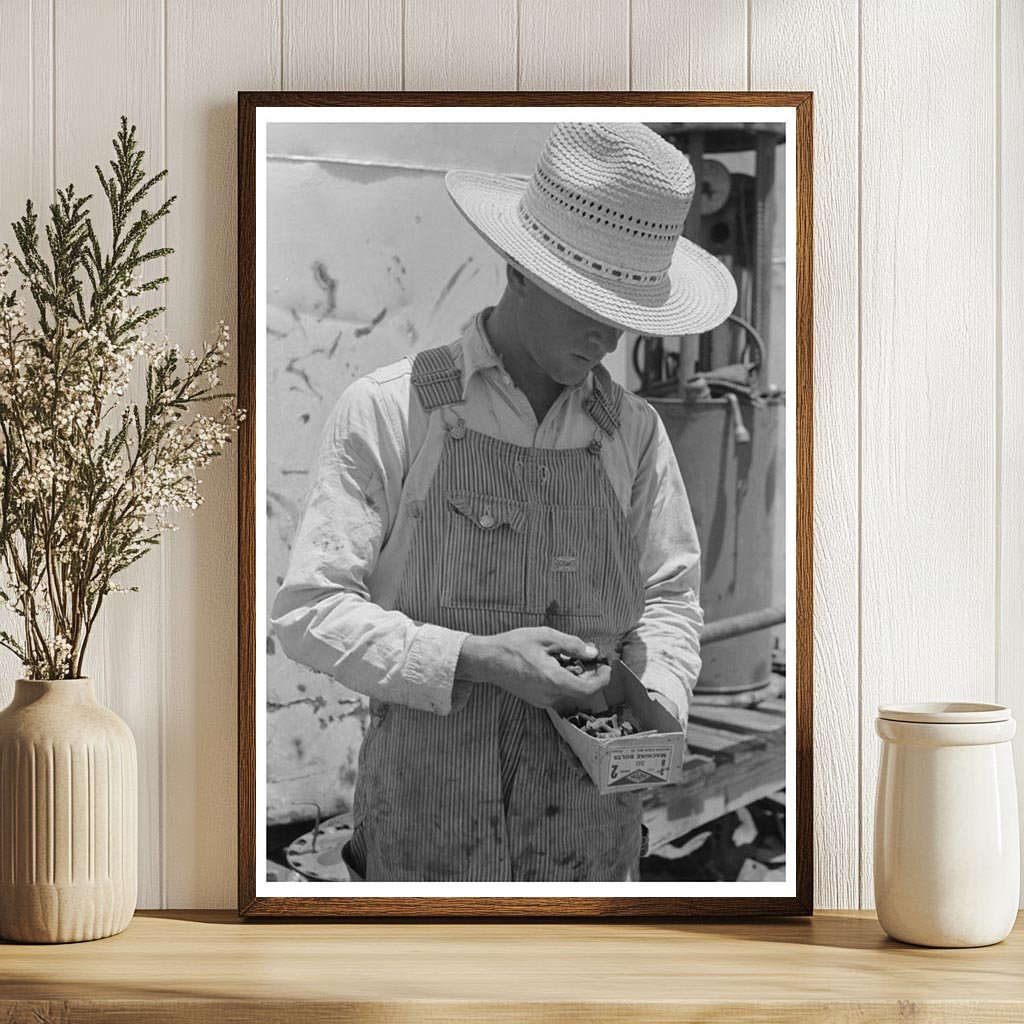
[
  {"x": 468, "y": 45},
  {"x": 1010, "y": 263},
  {"x": 721, "y": 744},
  {"x": 125, "y": 655},
  {"x": 26, "y": 108},
  {"x": 825, "y": 61},
  {"x": 671, "y": 812},
  {"x": 928, "y": 343},
  {"x": 26, "y": 122},
  {"x": 696, "y": 768},
  {"x": 342, "y": 44},
  {"x": 209, "y": 967},
  {"x": 742, "y": 720},
  {"x": 716, "y": 804},
  {"x": 696, "y": 45},
  {"x": 573, "y": 44},
  {"x": 213, "y": 51}
]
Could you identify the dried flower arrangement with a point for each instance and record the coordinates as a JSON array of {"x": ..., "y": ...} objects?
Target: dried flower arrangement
[{"x": 90, "y": 478}]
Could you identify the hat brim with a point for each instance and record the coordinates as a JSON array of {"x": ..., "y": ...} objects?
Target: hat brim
[{"x": 698, "y": 294}]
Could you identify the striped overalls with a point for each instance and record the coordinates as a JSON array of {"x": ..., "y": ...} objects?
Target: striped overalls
[{"x": 508, "y": 536}]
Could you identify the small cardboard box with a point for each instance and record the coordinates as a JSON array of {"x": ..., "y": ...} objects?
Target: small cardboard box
[{"x": 623, "y": 763}]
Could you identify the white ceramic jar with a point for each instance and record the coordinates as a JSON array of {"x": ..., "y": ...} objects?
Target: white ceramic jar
[{"x": 947, "y": 847}]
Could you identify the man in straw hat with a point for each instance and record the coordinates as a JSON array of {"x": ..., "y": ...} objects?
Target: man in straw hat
[{"x": 493, "y": 507}]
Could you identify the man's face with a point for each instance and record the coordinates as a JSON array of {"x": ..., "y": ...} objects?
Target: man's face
[{"x": 564, "y": 344}]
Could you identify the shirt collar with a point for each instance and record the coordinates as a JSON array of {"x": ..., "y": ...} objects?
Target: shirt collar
[{"x": 478, "y": 354}]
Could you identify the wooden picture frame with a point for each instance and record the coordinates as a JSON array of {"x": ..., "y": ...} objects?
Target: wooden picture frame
[{"x": 258, "y": 897}]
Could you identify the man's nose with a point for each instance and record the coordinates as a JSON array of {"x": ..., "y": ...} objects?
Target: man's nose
[{"x": 604, "y": 337}]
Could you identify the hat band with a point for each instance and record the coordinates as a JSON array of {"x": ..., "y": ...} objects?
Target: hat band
[{"x": 574, "y": 256}]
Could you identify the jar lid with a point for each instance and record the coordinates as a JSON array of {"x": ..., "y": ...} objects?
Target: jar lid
[{"x": 945, "y": 712}]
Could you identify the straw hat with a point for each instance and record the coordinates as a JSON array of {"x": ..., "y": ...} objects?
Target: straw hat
[{"x": 599, "y": 226}]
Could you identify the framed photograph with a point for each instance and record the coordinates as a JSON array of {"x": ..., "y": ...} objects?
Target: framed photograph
[{"x": 525, "y": 504}]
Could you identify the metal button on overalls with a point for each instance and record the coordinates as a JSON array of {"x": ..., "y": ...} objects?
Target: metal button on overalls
[{"x": 508, "y": 536}]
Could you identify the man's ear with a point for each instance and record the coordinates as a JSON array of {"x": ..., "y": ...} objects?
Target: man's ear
[{"x": 516, "y": 280}]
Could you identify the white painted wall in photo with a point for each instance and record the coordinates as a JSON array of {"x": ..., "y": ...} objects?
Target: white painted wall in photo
[{"x": 918, "y": 232}]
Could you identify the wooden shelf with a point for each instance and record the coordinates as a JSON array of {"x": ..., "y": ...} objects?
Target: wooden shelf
[{"x": 203, "y": 967}]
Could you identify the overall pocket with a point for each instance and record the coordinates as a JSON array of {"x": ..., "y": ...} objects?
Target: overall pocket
[
  {"x": 484, "y": 561},
  {"x": 577, "y": 567}
]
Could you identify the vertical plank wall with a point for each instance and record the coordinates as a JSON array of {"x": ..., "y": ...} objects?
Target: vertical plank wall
[
  {"x": 928, "y": 515},
  {"x": 225, "y": 46},
  {"x": 831, "y": 72},
  {"x": 26, "y": 129},
  {"x": 919, "y": 299},
  {"x": 1009, "y": 369},
  {"x": 129, "y": 80}
]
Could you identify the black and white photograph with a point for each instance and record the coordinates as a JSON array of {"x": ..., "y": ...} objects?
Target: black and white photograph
[{"x": 525, "y": 501}]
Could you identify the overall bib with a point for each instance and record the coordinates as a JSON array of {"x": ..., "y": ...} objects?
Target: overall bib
[{"x": 507, "y": 536}]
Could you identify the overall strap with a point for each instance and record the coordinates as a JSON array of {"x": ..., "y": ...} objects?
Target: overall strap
[
  {"x": 438, "y": 382},
  {"x": 436, "y": 378},
  {"x": 605, "y": 402}
]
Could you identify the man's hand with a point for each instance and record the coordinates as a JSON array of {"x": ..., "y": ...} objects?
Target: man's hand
[{"x": 524, "y": 662}]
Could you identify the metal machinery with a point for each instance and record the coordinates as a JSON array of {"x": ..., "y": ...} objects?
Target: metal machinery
[{"x": 722, "y": 418}]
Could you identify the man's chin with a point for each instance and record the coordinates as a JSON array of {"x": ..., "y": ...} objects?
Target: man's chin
[{"x": 572, "y": 375}]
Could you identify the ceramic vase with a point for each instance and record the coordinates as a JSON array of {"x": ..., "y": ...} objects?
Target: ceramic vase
[
  {"x": 68, "y": 815},
  {"x": 947, "y": 847}
]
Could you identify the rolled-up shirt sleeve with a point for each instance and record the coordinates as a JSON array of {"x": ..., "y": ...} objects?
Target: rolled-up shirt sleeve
[
  {"x": 323, "y": 614},
  {"x": 664, "y": 647}
]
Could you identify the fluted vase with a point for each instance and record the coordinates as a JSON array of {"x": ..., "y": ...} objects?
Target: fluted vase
[{"x": 68, "y": 815}]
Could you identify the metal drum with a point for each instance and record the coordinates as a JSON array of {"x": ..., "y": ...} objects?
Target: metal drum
[{"x": 733, "y": 487}]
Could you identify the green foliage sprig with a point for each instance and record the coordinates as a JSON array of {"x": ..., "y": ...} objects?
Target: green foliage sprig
[{"x": 89, "y": 478}]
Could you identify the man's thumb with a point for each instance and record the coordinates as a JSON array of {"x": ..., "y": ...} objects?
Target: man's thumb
[{"x": 576, "y": 647}]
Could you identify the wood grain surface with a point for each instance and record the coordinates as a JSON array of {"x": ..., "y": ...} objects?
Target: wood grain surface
[
  {"x": 1009, "y": 366},
  {"x": 130, "y": 34},
  {"x": 573, "y": 44},
  {"x": 701, "y": 44},
  {"x": 928, "y": 368},
  {"x": 347, "y": 44},
  {"x": 230, "y": 45},
  {"x": 831, "y": 72},
  {"x": 207, "y": 966},
  {"x": 469, "y": 45}
]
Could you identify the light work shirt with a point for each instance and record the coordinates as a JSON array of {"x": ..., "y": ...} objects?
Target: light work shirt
[{"x": 376, "y": 458}]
